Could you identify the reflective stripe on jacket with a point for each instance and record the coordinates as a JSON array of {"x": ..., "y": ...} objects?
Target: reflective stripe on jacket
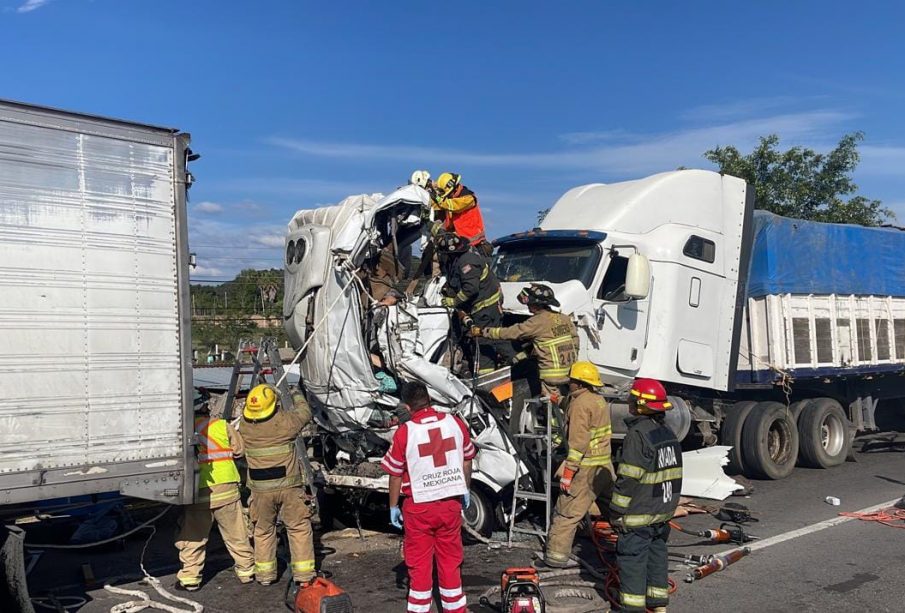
[
  {"x": 589, "y": 430},
  {"x": 476, "y": 287},
  {"x": 215, "y": 453},
  {"x": 270, "y": 447},
  {"x": 463, "y": 215},
  {"x": 649, "y": 477},
  {"x": 554, "y": 340}
]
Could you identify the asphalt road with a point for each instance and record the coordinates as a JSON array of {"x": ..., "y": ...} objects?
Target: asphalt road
[{"x": 852, "y": 566}]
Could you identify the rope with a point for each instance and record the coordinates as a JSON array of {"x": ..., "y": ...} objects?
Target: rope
[
  {"x": 143, "y": 600},
  {"x": 354, "y": 276},
  {"x": 785, "y": 381},
  {"x": 883, "y": 516}
]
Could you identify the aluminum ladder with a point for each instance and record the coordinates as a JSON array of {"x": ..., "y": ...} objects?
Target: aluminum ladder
[
  {"x": 257, "y": 362},
  {"x": 537, "y": 442}
]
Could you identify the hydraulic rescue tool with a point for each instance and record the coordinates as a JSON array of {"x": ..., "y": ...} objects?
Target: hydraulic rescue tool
[{"x": 716, "y": 564}]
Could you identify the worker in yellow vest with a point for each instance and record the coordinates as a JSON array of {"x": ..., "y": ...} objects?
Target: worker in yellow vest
[{"x": 216, "y": 444}]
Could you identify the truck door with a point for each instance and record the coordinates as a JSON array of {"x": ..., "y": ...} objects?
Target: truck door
[{"x": 621, "y": 321}]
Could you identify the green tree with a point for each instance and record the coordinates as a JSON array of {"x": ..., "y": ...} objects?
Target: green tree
[{"x": 802, "y": 183}]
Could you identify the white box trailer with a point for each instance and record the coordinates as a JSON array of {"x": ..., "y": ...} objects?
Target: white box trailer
[
  {"x": 775, "y": 336},
  {"x": 95, "y": 347}
]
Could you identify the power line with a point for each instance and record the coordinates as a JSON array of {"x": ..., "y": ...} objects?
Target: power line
[{"x": 214, "y": 245}]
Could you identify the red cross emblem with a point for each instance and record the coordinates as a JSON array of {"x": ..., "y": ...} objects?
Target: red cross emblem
[{"x": 436, "y": 446}]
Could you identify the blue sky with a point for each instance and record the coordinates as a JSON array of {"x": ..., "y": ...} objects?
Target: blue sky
[{"x": 294, "y": 104}]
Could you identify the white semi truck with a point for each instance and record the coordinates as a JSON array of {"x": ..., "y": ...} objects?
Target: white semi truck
[{"x": 775, "y": 336}]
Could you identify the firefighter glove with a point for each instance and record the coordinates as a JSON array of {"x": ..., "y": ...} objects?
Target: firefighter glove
[
  {"x": 466, "y": 500},
  {"x": 396, "y": 517},
  {"x": 448, "y": 301},
  {"x": 476, "y": 332},
  {"x": 618, "y": 524},
  {"x": 565, "y": 482}
]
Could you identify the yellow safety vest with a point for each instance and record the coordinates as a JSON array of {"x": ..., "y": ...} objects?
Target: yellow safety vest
[{"x": 215, "y": 456}]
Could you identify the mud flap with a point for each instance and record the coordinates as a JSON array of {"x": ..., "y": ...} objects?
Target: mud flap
[{"x": 13, "y": 588}]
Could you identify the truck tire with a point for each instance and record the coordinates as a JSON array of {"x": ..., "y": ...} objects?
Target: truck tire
[
  {"x": 825, "y": 435},
  {"x": 797, "y": 407},
  {"x": 480, "y": 516},
  {"x": 769, "y": 442},
  {"x": 731, "y": 434}
]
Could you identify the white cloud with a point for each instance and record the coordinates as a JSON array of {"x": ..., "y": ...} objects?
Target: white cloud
[
  {"x": 585, "y": 138},
  {"x": 223, "y": 248},
  {"x": 205, "y": 271},
  {"x": 31, "y": 5},
  {"x": 208, "y": 207},
  {"x": 269, "y": 240},
  {"x": 651, "y": 153},
  {"x": 748, "y": 107}
]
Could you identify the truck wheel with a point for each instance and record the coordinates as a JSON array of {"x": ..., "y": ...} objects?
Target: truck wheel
[
  {"x": 480, "y": 516},
  {"x": 797, "y": 407},
  {"x": 825, "y": 435},
  {"x": 770, "y": 442},
  {"x": 731, "y": 433}
]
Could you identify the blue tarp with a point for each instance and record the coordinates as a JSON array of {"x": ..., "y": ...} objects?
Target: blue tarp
[{"x": 791, "y": 256}]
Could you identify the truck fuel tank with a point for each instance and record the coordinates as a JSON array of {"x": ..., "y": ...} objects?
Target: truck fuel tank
[{"x": 678, "y": 418}]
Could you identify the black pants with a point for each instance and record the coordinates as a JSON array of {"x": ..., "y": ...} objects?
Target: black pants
[{"x": 643, "y": 571}]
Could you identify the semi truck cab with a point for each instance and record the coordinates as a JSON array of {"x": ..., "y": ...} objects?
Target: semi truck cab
[{"x": 651, "y": 271}]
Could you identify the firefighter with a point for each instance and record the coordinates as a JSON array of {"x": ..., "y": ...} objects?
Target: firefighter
[
  {"x": 277, "y": 482},
  {"x": 216, "y": 444},
  {"x": 587, "y": 473},
  {"x": 459, "y": 211},
  {"x": 422, "y": 179},
  {"x": 473, "y": 290},
  {"x": 645, "y": 499},
  {"x": 429, "y": 463},
  {"x": 553, "y": 337}
]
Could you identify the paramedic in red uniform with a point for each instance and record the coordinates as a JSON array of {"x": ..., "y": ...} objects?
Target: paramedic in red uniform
[{"x": 429, "y": 462}]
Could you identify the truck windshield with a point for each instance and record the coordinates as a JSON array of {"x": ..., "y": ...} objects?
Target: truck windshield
[{"x": 553, "y": 262}]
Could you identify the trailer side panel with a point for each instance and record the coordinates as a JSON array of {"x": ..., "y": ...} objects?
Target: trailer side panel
[{"x": 93, "y": 321}]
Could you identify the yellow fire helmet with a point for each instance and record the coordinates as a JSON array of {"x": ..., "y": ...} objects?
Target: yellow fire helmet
[
  {"x": 586, "y": 373},
  {"x": 261, "y": 402},
  {"x": 445, "y": 184}
]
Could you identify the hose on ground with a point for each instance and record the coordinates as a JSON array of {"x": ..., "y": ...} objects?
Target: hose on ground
[{"x": 143, "y": 600}]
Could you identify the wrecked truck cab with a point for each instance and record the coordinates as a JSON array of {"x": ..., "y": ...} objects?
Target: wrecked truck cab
[
  {"x": 328, "y": 316},
  {"x": 322, "y": 307}
]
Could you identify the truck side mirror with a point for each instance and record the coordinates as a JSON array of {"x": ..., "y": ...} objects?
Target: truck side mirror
[{"x": 637, "y": 277}]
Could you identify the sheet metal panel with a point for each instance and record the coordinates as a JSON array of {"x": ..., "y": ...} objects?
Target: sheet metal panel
[{"x": 90, "y": 331}]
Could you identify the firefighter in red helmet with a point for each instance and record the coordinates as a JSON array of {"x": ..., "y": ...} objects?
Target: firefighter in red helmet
[{"x": 648, "y": 483}]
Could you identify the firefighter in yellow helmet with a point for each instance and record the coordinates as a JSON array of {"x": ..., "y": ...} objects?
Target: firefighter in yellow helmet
[
  {"x": 216, "y": 444},
  {"x": 587, "y": 473},
  {"x": 459, "y": 212},
  {"x": 276, "y": 481}
]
